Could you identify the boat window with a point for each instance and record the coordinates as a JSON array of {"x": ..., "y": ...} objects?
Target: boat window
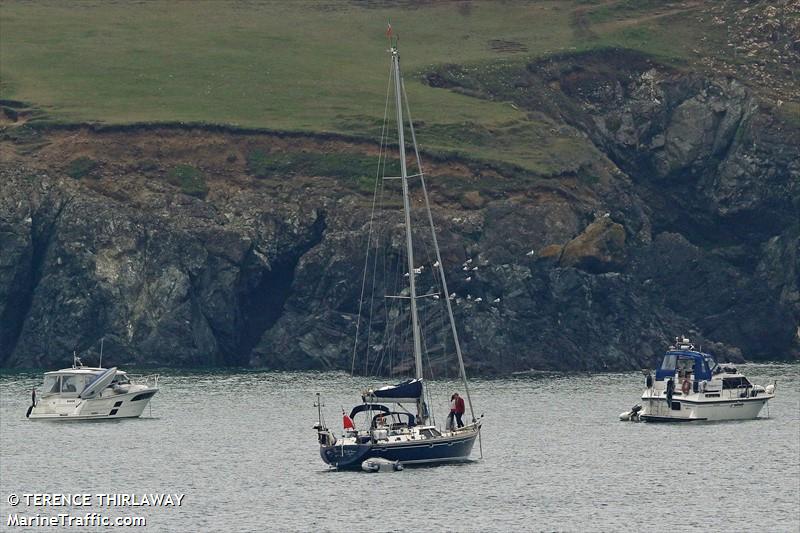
[
  {"x": 669, "y": 362},
  {"x": 120, "y": 379},
  {"x": 51, "y": 385},
  {"x": 735, "y": 383},
  {"x": 685, "y": 364},
  {"x": 87, "y": 379},
  {"x": 71, "y": 384},
  {"x": 430, "y": 433}
]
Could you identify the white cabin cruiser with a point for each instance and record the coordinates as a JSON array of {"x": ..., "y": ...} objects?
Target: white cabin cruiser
[
  {"x": 691, "y": 386},
  {"x": 90, "y": 393}
]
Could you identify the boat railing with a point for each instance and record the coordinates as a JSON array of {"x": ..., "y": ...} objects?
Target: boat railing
[{"x": 148, "y": 380}]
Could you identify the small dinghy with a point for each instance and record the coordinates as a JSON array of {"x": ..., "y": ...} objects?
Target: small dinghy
[{"x": 379, "y": 464}]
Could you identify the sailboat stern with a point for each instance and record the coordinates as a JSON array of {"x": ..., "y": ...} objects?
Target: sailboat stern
[{"x": 344, "y": 456}]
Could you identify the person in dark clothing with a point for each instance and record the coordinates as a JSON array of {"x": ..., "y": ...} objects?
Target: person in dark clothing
[
  {"x": 459, "y": 409},
  {"x": 452, "y": 414}
]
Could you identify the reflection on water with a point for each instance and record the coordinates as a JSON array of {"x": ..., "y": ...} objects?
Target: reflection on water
[{"x": 242, "y": 448}]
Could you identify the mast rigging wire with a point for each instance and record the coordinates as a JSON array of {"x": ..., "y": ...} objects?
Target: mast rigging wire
[{"x": 371, "y": 219}]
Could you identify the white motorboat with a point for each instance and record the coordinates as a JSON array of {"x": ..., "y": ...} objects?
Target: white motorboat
[
  {"x": 91, "y": 393},
  {"x": 691, "y": 386}
]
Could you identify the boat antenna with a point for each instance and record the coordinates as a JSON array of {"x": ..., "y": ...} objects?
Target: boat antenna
[{"x": 101, "y": 352}]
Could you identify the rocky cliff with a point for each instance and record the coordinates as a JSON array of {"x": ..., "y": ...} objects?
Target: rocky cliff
[{"x": 170, "y": 243}]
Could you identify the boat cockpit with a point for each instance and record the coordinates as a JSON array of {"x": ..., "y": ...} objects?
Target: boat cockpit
[{"x": 392, "y": 420}]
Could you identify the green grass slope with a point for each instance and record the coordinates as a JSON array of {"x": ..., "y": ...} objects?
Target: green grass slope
[{"x": 318, "y": 66}]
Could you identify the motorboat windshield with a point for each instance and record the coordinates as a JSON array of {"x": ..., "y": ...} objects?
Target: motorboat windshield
[
  {"x": 71, "y": 382},
  {"x": 68, "y": 383},
  {"x": 685, "y": 363}
]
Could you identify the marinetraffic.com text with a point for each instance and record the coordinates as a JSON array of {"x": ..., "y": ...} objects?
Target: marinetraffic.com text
[{"x": 78, "y": 510}]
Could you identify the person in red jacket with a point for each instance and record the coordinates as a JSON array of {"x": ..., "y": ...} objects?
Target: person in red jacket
[{"x": 459, "y": 409}]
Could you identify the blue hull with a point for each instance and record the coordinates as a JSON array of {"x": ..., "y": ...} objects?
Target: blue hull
[{"x": 441, "y": 450}]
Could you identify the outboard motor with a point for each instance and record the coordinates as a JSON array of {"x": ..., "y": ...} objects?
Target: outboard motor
[
  {"x": 632, "y": 415},
  {"x": 324, "y": 435}
]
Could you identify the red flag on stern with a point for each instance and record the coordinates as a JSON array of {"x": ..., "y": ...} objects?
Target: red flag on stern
[{"x": 347, "y": 422}]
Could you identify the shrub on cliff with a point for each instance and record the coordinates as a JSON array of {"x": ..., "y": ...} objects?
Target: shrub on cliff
[
  {"x": 335, "y": 164},
  {"x": 80, "y": 167},
  {"x": 190, "y": 180}
]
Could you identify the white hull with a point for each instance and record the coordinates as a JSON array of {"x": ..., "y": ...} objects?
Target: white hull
[
  {"x": 695, "y": 407},
  {"x": 130, "y": 404}
]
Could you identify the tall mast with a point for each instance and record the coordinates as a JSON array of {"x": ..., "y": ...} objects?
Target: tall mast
[{"x": 407, "y": 211}]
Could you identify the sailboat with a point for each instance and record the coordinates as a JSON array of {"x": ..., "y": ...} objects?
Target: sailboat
[{"x": 396, "y": 422}]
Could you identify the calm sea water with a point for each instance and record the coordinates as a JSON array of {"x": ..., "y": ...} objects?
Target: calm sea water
[{"x": 241, "y": 447}]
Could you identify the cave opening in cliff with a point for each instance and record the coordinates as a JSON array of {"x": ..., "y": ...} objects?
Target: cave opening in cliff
[{"x": 262, "y": 304}]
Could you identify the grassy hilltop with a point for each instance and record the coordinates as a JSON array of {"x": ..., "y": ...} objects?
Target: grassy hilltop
[
  {"x": 313, "y": 66},
  {"x": 321, "y": 66}
]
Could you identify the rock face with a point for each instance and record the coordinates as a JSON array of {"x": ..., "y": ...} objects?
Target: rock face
[
  {"x": 165, "y": 281},
  {"x": 692, "y": 227},
  {"x": 715, "y": 176}
]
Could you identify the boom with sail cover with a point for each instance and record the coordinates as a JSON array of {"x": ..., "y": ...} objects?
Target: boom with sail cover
[{"x": 406, "y": 392}]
